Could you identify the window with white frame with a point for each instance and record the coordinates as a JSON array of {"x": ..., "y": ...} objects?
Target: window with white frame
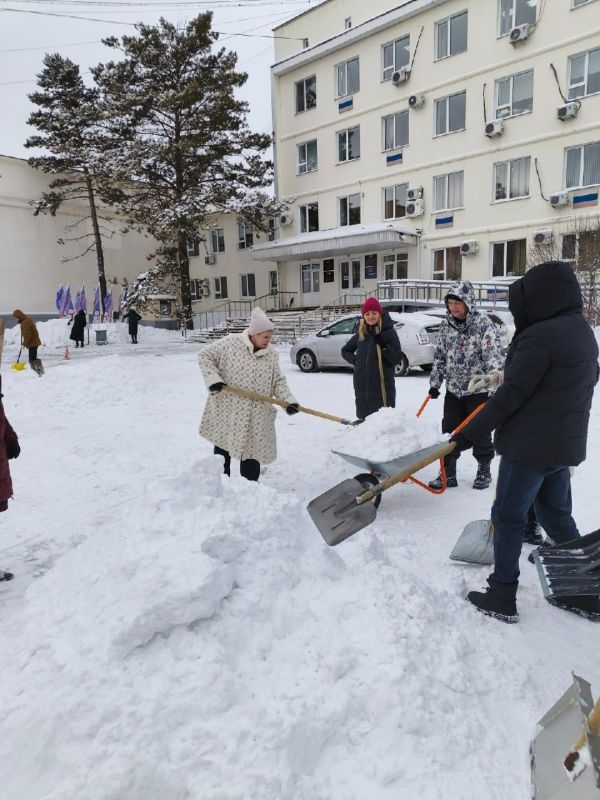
[
  {"x": 395, "y": 130},
  {"x": 394, "y": 55},
  {"x": 220, "y": 288},
  {"x": 395, "y": 266},
  {"x": 584, "y": 74},
  {"x": 195, "y": 290},
  {"x": 328, "y": 270},
  {"x": 309, "y": 217},
  {"x": 245, "y": 235},
  {"x": 247, "y": 285},
  {"x": 447, "y": 264},
  {"x": 577, "y": 3},
  {"x": 582, "y": 165},
  {"x": 273, "y": 229},
  {"x": 514, "y": 94},
  {"x": 511, "y": 178},
  {"x": 448, "y": 191},
  {"x": 347, "y": 77},
  {"x": 307, "y": 157},
  {"x": 348, "y": 144},
  {"x": 349, "y": 209},
  {"x": 347, "y": 23},
  {"x": 450, "y": 113},
  {"x": 394, "y": 201},
  {"x": 509, "y": 258},
  {"x": 193, "y": 246},
  {"x": 306, "y": 94},
  {"x": 582, "y": 247},
  {"x": 273, "y": 282},
  {"x": 515, "y": 12},
  {"x": 217, "y": 240},
  {"x": 451, "y": 35}
]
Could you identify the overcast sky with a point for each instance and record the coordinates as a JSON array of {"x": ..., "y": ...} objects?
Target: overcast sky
[{"x": 25, "y": 37}]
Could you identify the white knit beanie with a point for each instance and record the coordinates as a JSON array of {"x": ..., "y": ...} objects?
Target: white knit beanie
[{"x": 259, "y": 322}]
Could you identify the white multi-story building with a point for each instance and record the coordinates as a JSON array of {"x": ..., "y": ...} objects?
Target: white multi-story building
[{"x": 432, "y": 139}]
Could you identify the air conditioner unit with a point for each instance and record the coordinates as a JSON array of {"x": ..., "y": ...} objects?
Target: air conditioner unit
[
  {"x": 417, "y": 100},
  {"x": 286, "y": 219},
  {"x": 400, "y": 75},
  {"x": 494, "y": 128},
  {"x": 520, "y": 33},
  {"x": 568, "y": 111},
  {"x": 210, "y": 259},
  {"x": 559, "y": 199},
  {"x": 414, "y": 193},
  {"x": 469, "y": 248},
  {"x": 543, "y": 237},
  {"x": 415, "y": 208}
]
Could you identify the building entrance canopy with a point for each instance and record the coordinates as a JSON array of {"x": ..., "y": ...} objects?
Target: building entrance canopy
[{"x": 346, "y": 241}]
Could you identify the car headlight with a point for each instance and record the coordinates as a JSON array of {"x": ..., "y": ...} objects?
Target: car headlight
[{"x": 423, "y": 336}]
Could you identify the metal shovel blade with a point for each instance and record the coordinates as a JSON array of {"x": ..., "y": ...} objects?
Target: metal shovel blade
[
  {"x": 336, "y": 513},
  {"x": 475, "y": 545}
]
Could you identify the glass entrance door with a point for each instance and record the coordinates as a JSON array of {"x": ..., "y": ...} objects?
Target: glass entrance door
[{"x": 311, "y": 284}]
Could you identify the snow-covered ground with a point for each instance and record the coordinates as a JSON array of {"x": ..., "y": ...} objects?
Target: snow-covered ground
[{"x": 172, "y": 634}]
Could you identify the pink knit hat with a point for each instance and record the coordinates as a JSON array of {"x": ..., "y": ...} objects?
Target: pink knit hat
[
  {"x": 259, "y": 322},
  {"x": 371, "y": 304}
]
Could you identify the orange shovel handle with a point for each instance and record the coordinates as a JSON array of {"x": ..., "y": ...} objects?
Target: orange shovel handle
[{"x": 423, "y": 404}]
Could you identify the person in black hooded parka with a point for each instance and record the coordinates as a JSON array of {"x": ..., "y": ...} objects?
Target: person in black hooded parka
[
  {"x": 78, "y": 328},
  {"x": 540, "y": 414},
  {"x": 376, "y": 330}
]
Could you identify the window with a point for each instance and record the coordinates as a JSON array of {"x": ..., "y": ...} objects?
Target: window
[
  {"x": 509, "y": 258},
  {"x": 395, "y": 130},
  {"x": 307, "y": 157},
  {"x": 348, "y": 23},
  {"x": 347, "y": 78},
  {"x": 305, "y": 43},
  {"x": 273, "y": 229},
  {"x": 448, "y": 191},
  {"x": 515, "y": 12},
  {"x": 584, "y": 74},
  {"x": 582, "y": 247},
  {"x": 451, "y": 35},
  {"x": 395, "y": 55},
  {"x": 447, "y": 264},
  {"x": 217, "y": 240},
  {"x": 371, "y": 267},
  {"x": 514, "y": 95},
  {"x": 450, "y": 113},
  {"x": 400, "y": 262},
  {"x": 344, "y": 326},
  {"x": 577, "y": 3},
  {"x": 195, "y": 290},
  {"x": 310, "y": 278},
  {"x": 245, "y": 235},
  {"x": 328, "y": 270},
  {"x": 350, "y": 209},
  {"x": 582, "y": 165},
  {"x": 394, "y": 201},
  {"x": 220, "y": 288},
  {"x": 306, "y": 94},
  {"x": 348, "y": 269},
  {"x": 309, "y": 218},
  {"x": 165, "y": 308},
  {"x": 247, "y": 285},
  {"x": 348, "y": 144},
  {"x": 273, "y": 282},
  {"x": 193, "y": 246},
  {"x": 511, "y": 179}
]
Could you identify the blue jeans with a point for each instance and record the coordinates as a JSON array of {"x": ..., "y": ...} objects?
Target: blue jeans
[{"x": 519, "y": 485}]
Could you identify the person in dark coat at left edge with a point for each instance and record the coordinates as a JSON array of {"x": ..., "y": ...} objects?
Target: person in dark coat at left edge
[
  {"x": 374, "y": 351},
  {"x": 9, "y": 448}
]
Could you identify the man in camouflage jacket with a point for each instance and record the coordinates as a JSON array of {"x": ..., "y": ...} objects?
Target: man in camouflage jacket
[{"x": 467, "y": 346}]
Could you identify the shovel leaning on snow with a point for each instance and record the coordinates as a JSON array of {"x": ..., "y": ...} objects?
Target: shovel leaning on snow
[{"x": 263, "y": 398}]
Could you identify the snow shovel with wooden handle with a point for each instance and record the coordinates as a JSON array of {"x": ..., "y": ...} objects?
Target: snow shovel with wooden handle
[{"x": 274, "y": 401}]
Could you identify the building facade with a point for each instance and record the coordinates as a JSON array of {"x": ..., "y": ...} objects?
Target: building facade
[{"x": 434, "y": 139}]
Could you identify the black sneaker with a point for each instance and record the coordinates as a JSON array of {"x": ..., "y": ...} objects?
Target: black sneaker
[{"x": 451, "y": 482}]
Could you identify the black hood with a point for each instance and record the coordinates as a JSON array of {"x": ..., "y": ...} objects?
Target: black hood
[{"x": 545, "y": 291}]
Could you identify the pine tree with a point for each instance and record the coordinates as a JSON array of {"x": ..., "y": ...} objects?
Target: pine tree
[
  {"x": 68, "y": 120},
  {"x": 183, "y": 148}
]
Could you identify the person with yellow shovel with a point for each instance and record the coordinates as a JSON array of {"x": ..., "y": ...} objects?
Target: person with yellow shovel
[{"x": 31, "y": 340}]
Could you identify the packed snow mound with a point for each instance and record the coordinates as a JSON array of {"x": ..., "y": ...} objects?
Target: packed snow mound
[{"x": 55, "y": 333}]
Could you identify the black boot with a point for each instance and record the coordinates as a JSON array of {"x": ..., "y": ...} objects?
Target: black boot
[
  {"x": 450, "y": 469},
  {"x": 534, "y": 534},
  {"x": 498, "y": 600},
  {"x": 484, "y": 475}
]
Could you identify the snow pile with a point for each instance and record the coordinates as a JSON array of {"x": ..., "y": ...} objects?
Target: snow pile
[{"x": 55, "y": 333}]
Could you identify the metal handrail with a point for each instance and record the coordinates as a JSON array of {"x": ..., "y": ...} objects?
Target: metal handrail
[{"x": 487, "y": 293}]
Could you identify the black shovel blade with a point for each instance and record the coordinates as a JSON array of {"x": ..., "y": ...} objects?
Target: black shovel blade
[{"x": 336, "y": 513}]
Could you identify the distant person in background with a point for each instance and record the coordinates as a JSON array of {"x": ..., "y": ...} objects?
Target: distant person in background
[
  {"x": 9, "y": 448},
  {"x": 133, "y": 319},
  {"x": 31, "y": 340},
  {"x": 79, "y": 323}
]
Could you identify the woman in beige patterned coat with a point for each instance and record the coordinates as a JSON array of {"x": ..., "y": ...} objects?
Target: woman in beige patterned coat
[{"x": 238, "y": 427}]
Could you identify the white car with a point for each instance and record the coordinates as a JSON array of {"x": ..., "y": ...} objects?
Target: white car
[
  {"x": 502, "y": 319},
  {"x": 324, "y": 348}
]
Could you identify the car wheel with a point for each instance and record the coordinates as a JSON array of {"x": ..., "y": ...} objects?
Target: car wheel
[
  {"x": 307, "y": 361},
  {"x": 368, "y": 481},
  {"x": 426, "y": 367},
  {"x": 401, "y": 369}
]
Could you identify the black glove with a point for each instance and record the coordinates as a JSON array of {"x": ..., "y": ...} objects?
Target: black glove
[
  {"x": 215, "y": 388},
  {"x": 462, "y": 443},
  {"x": 293, "y": 408},
  {"x": 434, "y": 393},
  {"x": 13, "y": 449}
]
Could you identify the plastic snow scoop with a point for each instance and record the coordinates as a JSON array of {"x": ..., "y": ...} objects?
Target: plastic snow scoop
[
  {"x": 18, "y": 364},
  {"x": 264, "y": 399},
  {"x": 572, "y": 719},
  {"x": 570, "y": 574}
]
